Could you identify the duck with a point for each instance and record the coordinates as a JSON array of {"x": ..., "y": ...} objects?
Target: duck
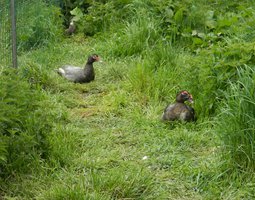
[
  {"x": 77, "y": 74},
  {"x": 71, "y": 28},
  {"x": 179, "y": 110}
]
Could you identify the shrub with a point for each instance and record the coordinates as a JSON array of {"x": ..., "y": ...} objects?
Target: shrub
[{"x": 26, "y": 119}]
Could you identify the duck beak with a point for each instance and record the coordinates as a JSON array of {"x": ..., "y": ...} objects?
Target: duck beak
[
  {"x": 191, "y": 99},
  {"x": 98, "y": 59}
]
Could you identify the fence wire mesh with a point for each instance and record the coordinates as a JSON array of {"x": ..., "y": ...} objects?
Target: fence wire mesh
[
  {"x": 5, "y": 34},
  {"x": 35, "y": 26}
]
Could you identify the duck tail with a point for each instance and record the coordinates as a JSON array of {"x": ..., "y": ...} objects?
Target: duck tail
[{"x": 60, "y": 71}]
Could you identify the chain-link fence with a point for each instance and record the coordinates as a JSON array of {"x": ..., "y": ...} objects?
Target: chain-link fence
[
  {"x": 5, "y": 34},
  {"x": 38, "y": 23}
]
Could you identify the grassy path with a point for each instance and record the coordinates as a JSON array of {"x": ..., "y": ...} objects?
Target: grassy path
[
  {"x": 116, "y": 139},
  {"x": 114, "y": 146}
]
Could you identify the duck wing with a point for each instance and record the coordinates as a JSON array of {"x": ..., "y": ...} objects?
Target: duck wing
[
  {"x": 187, "y": 113},
  {"x": 169, "y": 112},
  {"x": 72, "y": 73},
  {"x": 192, "y": 113}
]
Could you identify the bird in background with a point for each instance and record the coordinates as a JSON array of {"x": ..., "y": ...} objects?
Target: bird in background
[{"x": 71, "y": 28}]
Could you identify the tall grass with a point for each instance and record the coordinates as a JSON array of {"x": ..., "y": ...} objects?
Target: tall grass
[
  {"x": 154, "y": 76},
  {"x": 236, "y": 122},
  {"x": 175, "y": 40}
]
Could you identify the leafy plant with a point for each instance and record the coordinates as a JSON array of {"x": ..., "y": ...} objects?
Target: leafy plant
[{"x": 77, "y": 13}]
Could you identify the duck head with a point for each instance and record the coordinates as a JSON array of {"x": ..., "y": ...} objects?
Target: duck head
[
  {"x": 183, "y": 96},
  {"x": 93, "y": 58}
]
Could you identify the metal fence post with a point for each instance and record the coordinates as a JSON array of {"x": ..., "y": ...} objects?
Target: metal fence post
[{"x": 14, "y": 34}]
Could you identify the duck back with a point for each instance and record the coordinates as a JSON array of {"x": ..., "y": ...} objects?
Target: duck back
[
  {"x": 77, "y": 74},
  {"x": 73, "y": 73},
  {"x": 178, "y": 111}
]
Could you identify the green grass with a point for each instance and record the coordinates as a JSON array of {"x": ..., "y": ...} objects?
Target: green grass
[
  {"x": 112, "y": 125},
  {"x": 105, "y": 139},
  {"x": 239, "y": 112}
]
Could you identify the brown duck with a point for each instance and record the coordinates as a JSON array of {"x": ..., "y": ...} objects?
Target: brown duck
[
  {"x": 77, "y": 74},
  {"x": 179, "y": 110}
]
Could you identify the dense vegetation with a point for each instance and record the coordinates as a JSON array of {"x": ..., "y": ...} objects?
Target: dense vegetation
[{"x": 105, "y": 140}]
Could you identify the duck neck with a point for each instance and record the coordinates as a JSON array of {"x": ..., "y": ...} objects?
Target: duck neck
[
  {"x": 179, "y": 99},
  {"x": 89, "y": 68}
]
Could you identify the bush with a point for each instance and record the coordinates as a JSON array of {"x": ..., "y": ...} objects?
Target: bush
[
  {"x": 101, "y": 17},
  {"x": 26, "y": 119}
]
